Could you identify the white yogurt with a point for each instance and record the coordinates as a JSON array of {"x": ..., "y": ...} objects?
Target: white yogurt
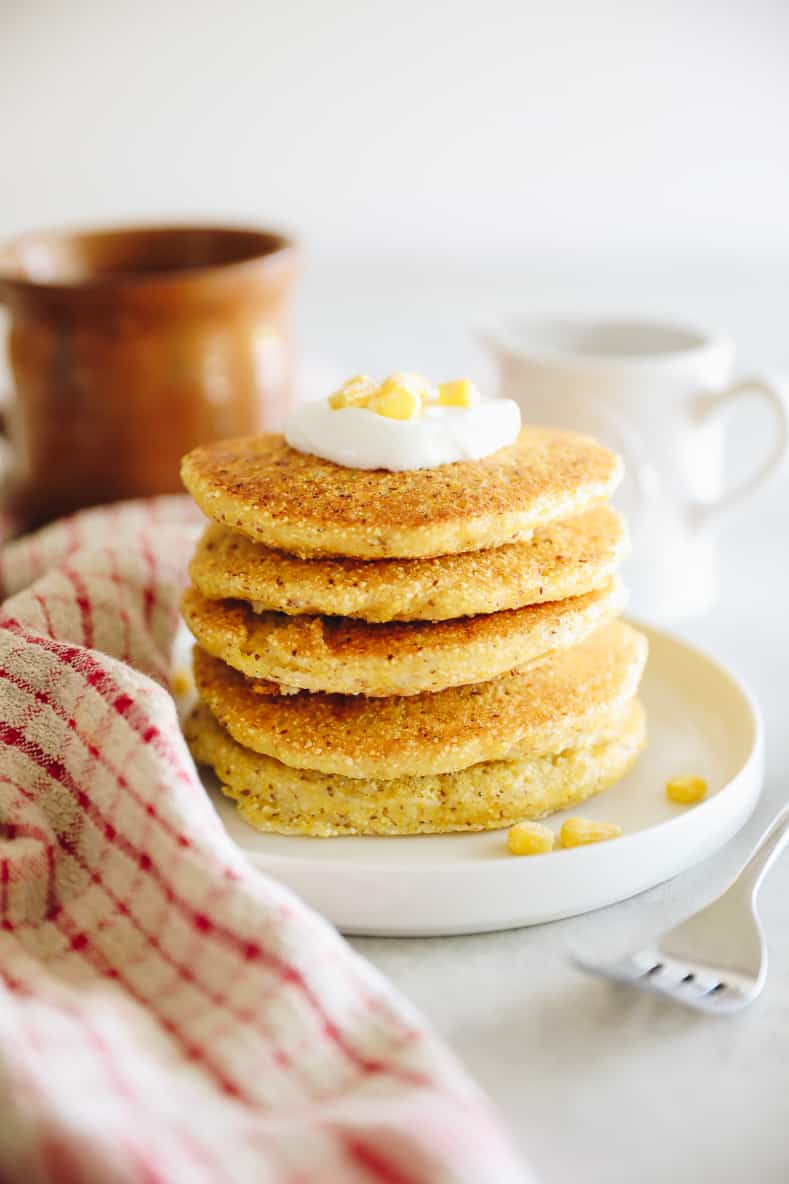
[{"x": 362, "y": 439}]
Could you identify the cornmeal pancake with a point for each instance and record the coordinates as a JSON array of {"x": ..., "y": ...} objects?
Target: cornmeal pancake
[
  {"x": 273, "y": 797},
  {"x": 546, "y": 709},
  {"x": 348, "y": 657},
  {"x": 299, "y": 503},
  {"x": 563, "y": 559}
]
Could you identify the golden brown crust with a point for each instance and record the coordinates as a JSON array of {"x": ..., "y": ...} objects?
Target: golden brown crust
[
  {"x": 273, "y": 797},
  {"x": 544, "y": 709},
  {"x": 566, "y": 558},
  {"x": 299, "y": 503},
  {"x": 348, "y": 657}
]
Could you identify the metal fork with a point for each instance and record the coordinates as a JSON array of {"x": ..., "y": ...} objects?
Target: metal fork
[{"x": 716, "y": 960}]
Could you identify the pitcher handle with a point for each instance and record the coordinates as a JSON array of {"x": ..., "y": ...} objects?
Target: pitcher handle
[{"x": 775, "y": 393}]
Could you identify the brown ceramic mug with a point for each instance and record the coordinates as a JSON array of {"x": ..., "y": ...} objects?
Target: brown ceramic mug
[{"x": 129, "y": 347}]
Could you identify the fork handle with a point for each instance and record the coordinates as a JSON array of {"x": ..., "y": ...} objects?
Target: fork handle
[{"x": 764, "y": 854}]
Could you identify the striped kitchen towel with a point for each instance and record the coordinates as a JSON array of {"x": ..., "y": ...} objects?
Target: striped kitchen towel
[{"x": 167, "y": 1013}]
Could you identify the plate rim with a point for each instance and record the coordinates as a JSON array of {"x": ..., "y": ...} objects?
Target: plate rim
[{"x": 495, "y": 873}]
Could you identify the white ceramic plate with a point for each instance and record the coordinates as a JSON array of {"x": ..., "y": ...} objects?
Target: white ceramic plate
[{"x": 701, "y": 721}]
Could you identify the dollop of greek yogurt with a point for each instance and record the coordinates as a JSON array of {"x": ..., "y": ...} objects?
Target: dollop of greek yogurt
[{"x": 359, "y": 438}]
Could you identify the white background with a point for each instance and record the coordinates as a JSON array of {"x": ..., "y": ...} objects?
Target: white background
[
  {"x": 500, "y": 126},
  {"x": 440, "y": 161}
]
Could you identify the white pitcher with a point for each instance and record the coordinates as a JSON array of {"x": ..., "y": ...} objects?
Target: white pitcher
[{"x": 657, "y": 394}]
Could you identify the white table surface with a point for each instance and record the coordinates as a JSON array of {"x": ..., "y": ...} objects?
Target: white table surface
[{"x": 595, "y": 1083}]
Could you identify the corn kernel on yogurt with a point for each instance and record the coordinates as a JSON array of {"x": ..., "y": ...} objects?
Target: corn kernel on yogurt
[{"x": 405, "y": 422}]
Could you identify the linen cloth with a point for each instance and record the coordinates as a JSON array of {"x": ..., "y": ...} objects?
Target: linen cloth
[{"x": 167, "y": 1013}]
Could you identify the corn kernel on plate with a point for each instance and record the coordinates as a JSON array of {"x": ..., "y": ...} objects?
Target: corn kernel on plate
[{"x": 703, "y": 723}]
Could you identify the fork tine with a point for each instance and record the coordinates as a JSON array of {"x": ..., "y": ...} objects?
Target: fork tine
[
  {"x": 624, "y": 970},
  {"x": 716, "y": 959},
  {"x": 695, "y": 986}
]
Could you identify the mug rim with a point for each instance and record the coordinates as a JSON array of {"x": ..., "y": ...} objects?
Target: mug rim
[
  {"x": 510, "y": 333},
  {"x": 274, "y": 247}
]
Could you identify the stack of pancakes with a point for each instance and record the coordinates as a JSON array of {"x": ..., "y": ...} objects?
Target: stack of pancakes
[{"x": 410, "y": 652}]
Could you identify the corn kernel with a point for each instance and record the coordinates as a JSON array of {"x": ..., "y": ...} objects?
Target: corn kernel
[
  {"x": 181, "y": 682},
  {"x": 396, "y": 404},
  {"x": 576, "y": 832},
  {"x": 458, "y": 393},
  {"x": 356, "y": 392},
  {"x": 425, "y": 391},
  {"x": 686, "y": 790},
  {"x": 529, "y": 838}
]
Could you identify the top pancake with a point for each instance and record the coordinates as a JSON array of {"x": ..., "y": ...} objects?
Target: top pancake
[
  {"x": 562, "y": 560},
  {"x": 537, "y": 711},
  {"x": 308, "y": 507}
]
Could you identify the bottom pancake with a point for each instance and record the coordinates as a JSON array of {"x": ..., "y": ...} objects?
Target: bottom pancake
[{"x": 274, "y": 797}]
